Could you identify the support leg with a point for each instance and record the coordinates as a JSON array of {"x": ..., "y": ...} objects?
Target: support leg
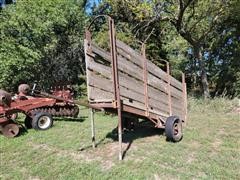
[
  {"x": 93, "y": 127},
  {"x": 120, "y": 133}
]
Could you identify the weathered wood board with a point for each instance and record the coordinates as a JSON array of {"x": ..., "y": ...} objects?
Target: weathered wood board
[{"x": 160, "y": 86}]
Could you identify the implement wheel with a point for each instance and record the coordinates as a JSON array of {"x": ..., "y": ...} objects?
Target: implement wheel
[
  {"x": 173, "y": 129},
  {"x": 42, "y": 121},
  {"x": 28, "y": 122},
  {"x": 10, "y": 130}
]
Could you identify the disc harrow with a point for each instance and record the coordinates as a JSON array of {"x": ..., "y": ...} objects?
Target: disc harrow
[{"x": 39, "y": 108}]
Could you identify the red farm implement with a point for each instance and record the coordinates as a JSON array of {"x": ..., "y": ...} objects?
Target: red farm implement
[{"x": 39, "y": 109}]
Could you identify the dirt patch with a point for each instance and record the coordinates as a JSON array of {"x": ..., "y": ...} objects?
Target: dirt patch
[
  {"x": 191, "y": 158},
  {"x": 106, "y": 154}
]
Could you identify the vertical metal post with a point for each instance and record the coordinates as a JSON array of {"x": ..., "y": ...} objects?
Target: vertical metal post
[
  {"x": 145, "y": 79},
  {"x": 112, "y": 51},
  {"x": 169, "y": 89},
  {"x": 87, "y": 49},
  {"x": 116, "y": 83},
  {"x": 93, "y": 126},
  {"x": 184, "y": 89}
]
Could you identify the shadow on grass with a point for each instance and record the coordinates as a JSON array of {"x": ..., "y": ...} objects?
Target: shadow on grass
[
  {"x": 22, "y": 130},
  {"x": 70, "y": 119},
  {"x": 140, "y": 131}
]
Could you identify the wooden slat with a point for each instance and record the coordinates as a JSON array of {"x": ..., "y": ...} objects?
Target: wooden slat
[
  {"x": 156, "y": 105},
  {"x": 155, "y": 70},
  {"x": 160, "y": 97},
  {"x": 135, "y": 57},
  {"x": 124, "y": 79},
  {"x": 101, "y": 52},
  {"x": 161, "y": 85},
  {"x": 178, "y": 103},
  {"x": 129, "y": 53},
  {"x": 104, "y": 70},
  {"x": 130, "y": 68},
  {"x": 123, "y": 64},
  {"x": 131, "y": 83},
  {"x": 159, "y": 113},
  {"x": 98, "y": 95},
  {"x": 105, "y": 84}
]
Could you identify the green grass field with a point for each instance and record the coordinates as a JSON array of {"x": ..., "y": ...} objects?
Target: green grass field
[{"x": 210, "y": 149}]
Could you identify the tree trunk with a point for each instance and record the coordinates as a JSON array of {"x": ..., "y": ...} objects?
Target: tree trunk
[{"x": 204, "y": 79}]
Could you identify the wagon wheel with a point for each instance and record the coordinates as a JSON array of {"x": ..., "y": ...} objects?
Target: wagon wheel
[
  {"x": 42, "y": 121},
  {"x": 10, "y": 130},
  {"x": 173, "y": 129}
]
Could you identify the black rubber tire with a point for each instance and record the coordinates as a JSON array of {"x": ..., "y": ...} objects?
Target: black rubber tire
[
  {"x": 42, "y": 121},
  {"x": 28, "y": 122},
  {"x": 173, "y": 129}
]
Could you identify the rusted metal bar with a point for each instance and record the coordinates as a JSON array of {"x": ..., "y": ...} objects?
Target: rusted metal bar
[
  {"x": 184, "y": 89},
  {"x": 113, "y": 55},
  {"x": 93, "y": 126},
  {"x": 87, "y": 50},
  {"x": 145, "y": 80},
  {"x": 116, "y": 82},
  {"x": 169, "y": 89}
]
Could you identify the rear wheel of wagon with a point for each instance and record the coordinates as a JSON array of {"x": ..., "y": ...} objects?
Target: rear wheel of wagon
[
  {"x": 42, "y": 121},
  {"x": 173, "y": 129}
]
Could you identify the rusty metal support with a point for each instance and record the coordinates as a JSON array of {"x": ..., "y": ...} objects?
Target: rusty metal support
[
  {"x": 116, "y": 82},
  {"x": 169, "y": 89},
  {"x": 87, "y": 49},
  {"x": 145, "y": 80},
  {"x": 184, "y": 89},
  {"x": 93, "y": 126}
]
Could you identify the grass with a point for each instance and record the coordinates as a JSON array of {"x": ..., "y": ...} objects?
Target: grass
[{"x": 210, "y": 149}]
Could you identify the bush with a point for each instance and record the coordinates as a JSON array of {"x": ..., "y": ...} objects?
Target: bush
[{"x": 41, "y": 41}]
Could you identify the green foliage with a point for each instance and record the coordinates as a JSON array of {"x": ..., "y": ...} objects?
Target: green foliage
[
  {"x": 187, "y": 34},
  {"x": 41, "y": 41},
  {"x": 224, "y": 62}
]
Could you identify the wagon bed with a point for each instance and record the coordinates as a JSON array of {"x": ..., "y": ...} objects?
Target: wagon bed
[{"x": 123, "y": 80}]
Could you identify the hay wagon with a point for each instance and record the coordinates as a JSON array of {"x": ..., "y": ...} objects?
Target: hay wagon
[{"x": 124, "y": 81}]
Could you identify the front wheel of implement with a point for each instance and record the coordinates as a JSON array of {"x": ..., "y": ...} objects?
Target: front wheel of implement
[
  {"x": 42, "y": 121},
  {"x": 173, "y": 129}
]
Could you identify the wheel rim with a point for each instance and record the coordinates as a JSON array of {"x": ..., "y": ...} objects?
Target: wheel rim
[
  {"x": 44, "y": 122},
  {"x": 176, "y": 129}
]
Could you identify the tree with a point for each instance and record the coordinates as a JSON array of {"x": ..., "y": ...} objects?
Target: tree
[
  {"x": 195, "y": 21},
  {"x": 224, "y": 64},
  {"x": 41, "y": 41}
]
